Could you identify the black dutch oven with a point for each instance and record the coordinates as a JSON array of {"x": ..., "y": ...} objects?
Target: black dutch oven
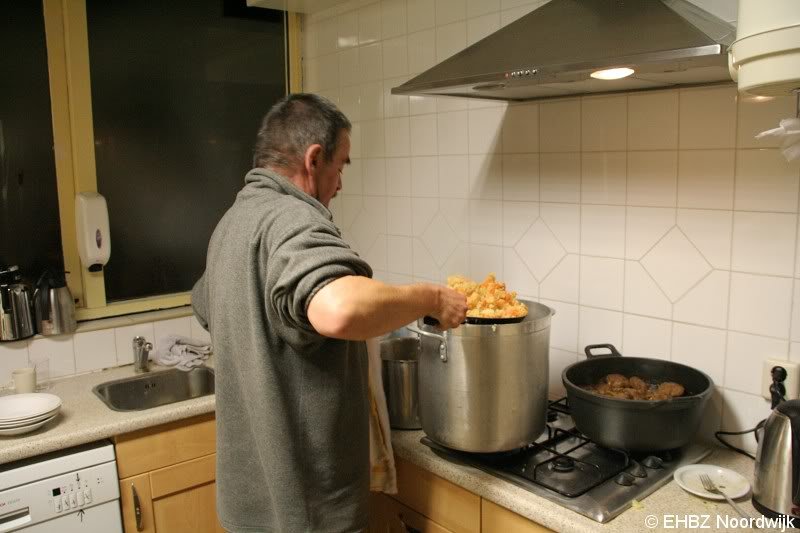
[{"x": 635, "y": 425}]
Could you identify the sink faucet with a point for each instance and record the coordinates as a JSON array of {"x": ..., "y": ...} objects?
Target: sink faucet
[{"x": 141, "y": 354}]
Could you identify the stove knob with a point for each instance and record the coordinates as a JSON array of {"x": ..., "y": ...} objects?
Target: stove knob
[
  {"x": 624, "y": 479},
  {"x": 637, "y": 470},
  {"x": 652, "y": 462}
]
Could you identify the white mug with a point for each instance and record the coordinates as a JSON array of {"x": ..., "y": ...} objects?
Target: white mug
[{"x": 24, "y": 379}]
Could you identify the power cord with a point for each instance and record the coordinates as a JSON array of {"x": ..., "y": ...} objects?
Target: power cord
[{"x": 728, "y": 445}]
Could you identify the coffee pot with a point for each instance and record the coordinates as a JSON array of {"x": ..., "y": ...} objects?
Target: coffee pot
[
  {"x": 55, "y": 307},
  {"x": 776, "y": 486},
  {"x": 16, "y": 310}
]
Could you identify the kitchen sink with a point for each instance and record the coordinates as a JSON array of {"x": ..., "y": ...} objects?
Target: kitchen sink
[{"x": 157, "y": 388}]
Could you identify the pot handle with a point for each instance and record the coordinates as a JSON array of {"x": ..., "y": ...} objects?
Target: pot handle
[
  {"x": 441, "y": 338},
  {"x": 611, "y": 347}
]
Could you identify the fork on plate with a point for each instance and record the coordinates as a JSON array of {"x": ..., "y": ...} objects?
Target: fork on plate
[{"x": 709, "y": 485}]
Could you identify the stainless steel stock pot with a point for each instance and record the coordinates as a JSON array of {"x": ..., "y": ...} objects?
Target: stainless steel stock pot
[{"x": 483, "y": 388}]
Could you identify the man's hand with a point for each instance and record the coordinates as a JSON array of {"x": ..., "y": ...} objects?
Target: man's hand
[{"x": 452, "y": 308}]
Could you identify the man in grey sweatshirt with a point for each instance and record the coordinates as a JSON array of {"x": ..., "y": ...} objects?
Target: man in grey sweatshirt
[{"x": 288, "y": 305}]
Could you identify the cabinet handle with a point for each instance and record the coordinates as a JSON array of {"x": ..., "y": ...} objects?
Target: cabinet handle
[
  {"x": 137, "y": 509},
  {"x": 406, "y": 527}
]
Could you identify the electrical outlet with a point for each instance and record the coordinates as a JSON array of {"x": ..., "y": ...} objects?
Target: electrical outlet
[{"x": 792, "y": 382}]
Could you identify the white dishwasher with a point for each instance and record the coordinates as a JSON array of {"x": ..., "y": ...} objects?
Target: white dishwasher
[{"x": 71, "y": 491}]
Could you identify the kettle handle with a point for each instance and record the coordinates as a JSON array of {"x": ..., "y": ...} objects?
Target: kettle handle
[{"x": 41, "y": 309}]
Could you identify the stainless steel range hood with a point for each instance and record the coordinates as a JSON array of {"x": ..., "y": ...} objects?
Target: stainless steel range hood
[{"x": 552, "y": 51}]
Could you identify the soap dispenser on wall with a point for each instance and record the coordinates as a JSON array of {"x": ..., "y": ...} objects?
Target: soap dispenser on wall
[{"x": 94, "y": 237}]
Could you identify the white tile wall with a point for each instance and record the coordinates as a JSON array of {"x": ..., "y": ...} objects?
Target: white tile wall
[
  {"x": 58, "y": 350},
  {"x": 651, "y": 220},
  {"x": 97, "y": 350}
]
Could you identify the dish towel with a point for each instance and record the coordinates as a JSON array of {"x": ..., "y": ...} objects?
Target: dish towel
[
  {"x": 182, "y": 352},
  {"x": 382, "y": 475},
  {"x": 789, "y": 132}
]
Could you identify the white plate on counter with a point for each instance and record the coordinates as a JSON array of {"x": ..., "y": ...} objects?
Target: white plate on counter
[
  {"x": 28, "y": 421},
  {"x": 731, "y": 483},
  {"x": 20, "y": 407},
  {"x": 25, "y": 429}
]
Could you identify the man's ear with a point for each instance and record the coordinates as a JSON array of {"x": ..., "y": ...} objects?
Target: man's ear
[{"x": 313, "y": 158}]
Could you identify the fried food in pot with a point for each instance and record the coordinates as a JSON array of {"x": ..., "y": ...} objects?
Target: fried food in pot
[
  {"x": 671, "y": 389},
  {"x": 616, "y": 381},
  {"x": 635, "y": 388},
  {"x": 635, "y": 382}
]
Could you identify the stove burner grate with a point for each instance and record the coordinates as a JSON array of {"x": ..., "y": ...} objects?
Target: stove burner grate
[{"x": 577, "y": 469}]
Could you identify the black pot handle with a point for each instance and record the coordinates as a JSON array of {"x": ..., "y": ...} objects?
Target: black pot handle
[{"x": 611, "y": 347}]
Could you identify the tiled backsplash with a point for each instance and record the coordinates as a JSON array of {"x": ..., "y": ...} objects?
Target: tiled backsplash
[
  {"x": 654, "y": 221},
  {"x": 91, "y": 350}
]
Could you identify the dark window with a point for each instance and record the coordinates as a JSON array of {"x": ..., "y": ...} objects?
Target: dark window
[
  {"x": 178, "y": 92},
  {"x": 30, "y": 233}
]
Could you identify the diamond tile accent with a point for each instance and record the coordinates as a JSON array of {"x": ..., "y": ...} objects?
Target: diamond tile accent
[
  {"x": 440, "y": 239},
  {"x": 540, "y": 249},
  {"x": 675, "y": 264}
]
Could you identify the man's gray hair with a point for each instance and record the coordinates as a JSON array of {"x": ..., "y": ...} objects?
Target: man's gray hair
[{"x": 294, "y": 124}]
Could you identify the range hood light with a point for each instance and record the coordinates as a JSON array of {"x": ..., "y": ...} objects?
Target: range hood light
[{"x": 612, "y": 73}]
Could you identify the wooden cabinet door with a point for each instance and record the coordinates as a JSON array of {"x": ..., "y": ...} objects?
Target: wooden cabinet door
[
  {"x": 387, "y": 515},
  {"x": 142, "y": 503},
  {"x": 168, "y": 444},
  {"x": 177, "y": 499},
  {"x": 171, "y": 469},
  {"x": 184, "y": 497},
  {"x": 496, "y": 519},
  {"x": 189, "y": 511},
  {"x": 445, "y": 503}
]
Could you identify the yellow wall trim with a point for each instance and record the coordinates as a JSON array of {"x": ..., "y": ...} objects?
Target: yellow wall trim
[
  {"x": 133, "y": 319},
  {"x": 136, "y": 306},
  {"x": 295, "y": 58},
  {"x": 62, "y": 142}
]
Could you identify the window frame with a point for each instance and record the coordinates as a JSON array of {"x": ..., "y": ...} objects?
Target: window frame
[{"x": 67, "y": 38}]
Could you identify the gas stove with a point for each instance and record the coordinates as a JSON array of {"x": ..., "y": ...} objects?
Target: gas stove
[{"x": 565, "y": 467}]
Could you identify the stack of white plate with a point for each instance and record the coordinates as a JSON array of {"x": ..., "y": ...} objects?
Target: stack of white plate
[{"x": 21, "y": 413}]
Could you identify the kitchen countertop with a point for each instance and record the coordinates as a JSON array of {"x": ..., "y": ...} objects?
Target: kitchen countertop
[
  {"x": 669, "y": 500},
  {"x": 84, "y": 418}
]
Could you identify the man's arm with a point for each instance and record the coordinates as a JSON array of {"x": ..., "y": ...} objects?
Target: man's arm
[{"x": 357, "y": 307}]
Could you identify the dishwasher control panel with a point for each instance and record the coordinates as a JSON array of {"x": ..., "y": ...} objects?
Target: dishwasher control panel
[
  {"x": 58, "y": 495},
  {"x": 76, "y": 492}
]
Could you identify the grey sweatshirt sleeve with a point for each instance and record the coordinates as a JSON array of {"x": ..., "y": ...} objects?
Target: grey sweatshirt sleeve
[
  {"x": 308, "y": 257},
  {"x": 200, "y": 302}
]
